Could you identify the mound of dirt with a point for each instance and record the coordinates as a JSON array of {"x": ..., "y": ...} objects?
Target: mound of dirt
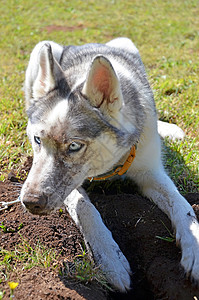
[
  {"x": 138, "y": 226},
  {"x": 56, "y": 231}
]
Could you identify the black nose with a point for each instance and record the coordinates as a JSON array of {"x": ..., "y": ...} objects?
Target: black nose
[{"x": 35, "y": 203}]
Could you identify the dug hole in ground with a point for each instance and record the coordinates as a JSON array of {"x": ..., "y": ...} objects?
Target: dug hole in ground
[{"x": 137, "y": 225}]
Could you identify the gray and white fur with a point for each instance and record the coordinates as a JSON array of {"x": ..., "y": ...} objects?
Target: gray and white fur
[{"x": 87, "y": 106}]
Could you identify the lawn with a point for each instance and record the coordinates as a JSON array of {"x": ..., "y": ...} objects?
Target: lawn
[{"x": 167, "y": 35}]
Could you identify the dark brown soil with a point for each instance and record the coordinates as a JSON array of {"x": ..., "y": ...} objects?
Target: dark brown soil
[
  {"x": 52, "y": 28},
  {"x": 135, "y": 223}
]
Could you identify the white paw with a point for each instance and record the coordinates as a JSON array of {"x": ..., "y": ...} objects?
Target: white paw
[
  {"x": 114, "y": 264},
  {"x": 190, "y": 251},
  {"x": 172, "y": 131}
]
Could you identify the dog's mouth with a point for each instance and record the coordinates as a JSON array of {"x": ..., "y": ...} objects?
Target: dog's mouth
[{"x": 39, "y": 212}]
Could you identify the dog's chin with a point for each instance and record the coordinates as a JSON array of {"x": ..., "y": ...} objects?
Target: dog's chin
[{"x": 40, "y": 212}]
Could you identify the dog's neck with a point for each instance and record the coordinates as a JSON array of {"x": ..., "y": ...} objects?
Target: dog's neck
[{"x": 119, "y": 170}]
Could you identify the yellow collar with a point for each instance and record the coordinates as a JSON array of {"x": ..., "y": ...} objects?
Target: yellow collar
[{"x": 119, "y": 170}]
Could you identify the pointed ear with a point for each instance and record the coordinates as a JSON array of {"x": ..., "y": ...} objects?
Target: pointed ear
[
  {"x": 102, "y": 86},
  {"x": 45, "y": 80}
]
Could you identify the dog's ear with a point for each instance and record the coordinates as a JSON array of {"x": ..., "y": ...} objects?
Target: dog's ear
[
  {"x": 102, "y": 86},
  {"x": 41, "y": 66},
  {"x": 44, "y": 81}
]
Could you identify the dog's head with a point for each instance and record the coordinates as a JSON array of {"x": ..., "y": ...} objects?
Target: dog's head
[{"x": 75, "y": 132}]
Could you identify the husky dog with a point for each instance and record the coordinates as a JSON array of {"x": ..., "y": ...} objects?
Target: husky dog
[{"x": 88, "y": 107}]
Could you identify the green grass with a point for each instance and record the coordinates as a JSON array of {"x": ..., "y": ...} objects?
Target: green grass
[
  {"x": 5, "y": 229},
  {"x": 166, "y": 33},
  {"x": 24, "y": 257},
  {"x": 83, "y": 269},
  {"x": 170, "y": 238},
  {"x": 1, "y": 295},
  {"x": 14, "y": 262}
]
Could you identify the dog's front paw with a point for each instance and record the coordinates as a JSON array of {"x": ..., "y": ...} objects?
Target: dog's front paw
[
  {"x": 190, "y": 263},
  {"x": 114, "y": 264},
  {"x": 190, "y": 252}
]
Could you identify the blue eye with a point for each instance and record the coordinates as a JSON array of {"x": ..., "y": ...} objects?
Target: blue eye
[
  {"x": 74, "y": 147},
  {"x": 37, "y": 140}
]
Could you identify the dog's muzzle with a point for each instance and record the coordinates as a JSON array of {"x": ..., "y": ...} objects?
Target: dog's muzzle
[{"x": 36, "y": 204}]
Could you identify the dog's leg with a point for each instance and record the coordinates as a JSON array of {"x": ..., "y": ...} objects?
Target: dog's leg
[
  {"x": 157, "y": 186},
  {"x": 99, "y": 239},
  {"x": 171, "y": 131}
]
